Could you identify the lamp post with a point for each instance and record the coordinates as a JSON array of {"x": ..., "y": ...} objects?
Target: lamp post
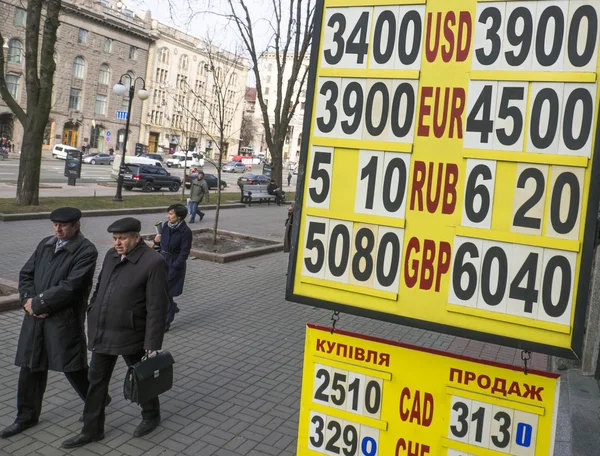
[{"x": 119, "y": 89}]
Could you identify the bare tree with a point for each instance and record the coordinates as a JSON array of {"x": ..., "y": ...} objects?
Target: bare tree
[
  {"x": 212, "y": 110},
  {"x": 39, "y": 74},
  {"x": 291, "y": 29}
]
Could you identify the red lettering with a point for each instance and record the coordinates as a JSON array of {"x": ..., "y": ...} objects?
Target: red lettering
[
  {"x": 420, "y": 411},
  {"x": 405, "y": 394},
  {"x": 418, "y": 182},
  {"x": 411, "y": 279},
  {"x": 427, "y": 265},
  {"x": 415, "y": 414},
  {"x": 465, "y": 28},
  {"x": 433, "y": 264},
  {"x": 424, "y": 111},
  {"x": 443, "y": 265},
  {"x": 431, "y": 53},
  {"x": 456, "y": 112},
  {"x": 449, "y": 202},
  {"x": 440, "y": 128},
  {"x": 446, "y": 173},
  {"x": 411, "y": 448},
  {"x": 433, "y": 200},
  {"x": 447, "y": 51}
]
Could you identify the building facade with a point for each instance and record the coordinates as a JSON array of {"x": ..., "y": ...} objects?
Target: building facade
[
  {"x": 268, "y": 72},
  {"x": 180, "y": 113},
  {"x": 98, "y": 41}
]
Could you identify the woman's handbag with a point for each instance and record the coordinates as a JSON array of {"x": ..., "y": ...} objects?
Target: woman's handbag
[{"x": 149, "y": 378}]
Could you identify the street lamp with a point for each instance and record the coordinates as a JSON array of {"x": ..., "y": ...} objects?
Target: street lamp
[{"x": 119, "y": 89}]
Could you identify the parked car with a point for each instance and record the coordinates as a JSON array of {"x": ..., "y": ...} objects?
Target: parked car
[
  {"x": 234, "y": 167},
  {"x": 211, "y": 181},
  {"x": 148, "y": 178},
  {"x": 158, "y": 157},
  {"x": 249, "y": 178},
  {"x": 179, "y": 160},
  {"x": 60, "y": 151},
  {"x": 3, "y": 153},
  {"x": 98, "y": 159}
]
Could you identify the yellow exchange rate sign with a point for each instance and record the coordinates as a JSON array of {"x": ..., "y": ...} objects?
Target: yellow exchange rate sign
[
  {"x": 370, "y": 397},
  {"x": 449, "y": 177}
]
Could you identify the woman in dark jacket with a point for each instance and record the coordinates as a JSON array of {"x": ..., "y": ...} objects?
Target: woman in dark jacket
[{"x": 175, "y": 244}]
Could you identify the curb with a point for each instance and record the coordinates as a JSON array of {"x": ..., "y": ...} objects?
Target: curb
[
  {"x": 103, "y": 212},
  {"x": 10, "y": 302}
]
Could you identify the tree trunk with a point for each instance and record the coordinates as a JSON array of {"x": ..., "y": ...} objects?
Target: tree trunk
[
  {"x": 29, "y": 166},
  {"x": 218, "y": 208}
]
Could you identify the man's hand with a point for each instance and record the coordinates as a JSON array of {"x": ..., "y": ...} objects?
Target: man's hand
[
  {"x": 28, "y": 308},
  {"x": 157, "y": 238},
  {"x": 42, "y": 316},
  {"x": 149, "y": 352}
]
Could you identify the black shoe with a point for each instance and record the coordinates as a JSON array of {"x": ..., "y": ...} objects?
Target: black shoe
[
  {"x": 80, "y": 440},
  {"x": 108, "y": 401},
  {"x": 201, "y": 217},
  {"x": 176, "y": 309},
  {"x": 146, "y": 427},
  {"x": 16, "y": 428}
]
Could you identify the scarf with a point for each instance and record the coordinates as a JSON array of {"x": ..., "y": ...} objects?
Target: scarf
[{"x": 174, "y": 225}]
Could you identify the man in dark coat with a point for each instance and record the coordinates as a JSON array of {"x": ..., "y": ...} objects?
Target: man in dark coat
[
  {"x": 126, "y": 317},
  {"x": 54, "y": 285},
  {"x": 175, "y": 244}
]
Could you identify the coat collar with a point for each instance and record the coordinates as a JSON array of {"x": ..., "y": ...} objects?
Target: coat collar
[
  {"x": 70, "y": 246},
  {"x": 180, "y": 227},
  {"x": 135, "y": 254}
]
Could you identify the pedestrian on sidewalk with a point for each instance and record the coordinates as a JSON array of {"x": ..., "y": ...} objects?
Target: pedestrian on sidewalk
[
  {"x": 287, "y": 240},
  {"x": 175, "y": 244},
  {"x": 198, "y": 189},
  {"x": 54, "y": 286},
  {"x": 289, "y": 178},
  {"x": 126, "y": 317}
]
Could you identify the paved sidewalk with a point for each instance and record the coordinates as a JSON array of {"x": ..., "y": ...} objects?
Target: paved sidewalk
[{"x": 238, "y": 347}]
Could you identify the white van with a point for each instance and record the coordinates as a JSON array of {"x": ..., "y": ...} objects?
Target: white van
[
  {"x": 178, "y": 159},
  {"x": 60, "y": 151},
  {"x": 129, "y": 159}
]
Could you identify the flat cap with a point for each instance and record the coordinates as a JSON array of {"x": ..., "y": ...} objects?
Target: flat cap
[
  {"x": 65, "y": 215},
  {"x": 125, "y": 225}
]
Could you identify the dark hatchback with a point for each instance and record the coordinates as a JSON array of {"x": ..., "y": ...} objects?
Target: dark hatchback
[
  {"x": 250, "y": 179},
  {"x": 148, "y": 178},
  {"x": 211, "y": 181}
]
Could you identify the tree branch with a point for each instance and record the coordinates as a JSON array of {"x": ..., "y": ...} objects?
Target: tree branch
[{"x": 5, "y": 94}]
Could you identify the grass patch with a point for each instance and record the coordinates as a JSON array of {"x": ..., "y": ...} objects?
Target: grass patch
[{"x": 48, "y": 204}]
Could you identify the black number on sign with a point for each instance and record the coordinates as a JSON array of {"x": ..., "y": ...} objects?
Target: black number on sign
[
  {"x": 315, "y": 228},
  {"x": 485, "y": 126},
  {"x": 504, "y": 430},
  {"x": 494, "y": 253},
  {"x": 370, "y": 172},
  {"x": 353, "y": 391},
  {"x": 558, "y": 309},
  {"x": 319, "y": 394},
  {"x": 520, "y": 218},
  {"x": 376, "y": 130},
  {"x": 386, "y": 18},
  {"x": 392, "y": 205},
  {"x": 338, "y": 38},
  {"x": 524, "y": 39},
  {"x": 562, "y": 181},
  {"x": 478, "y": 418},
  {"x": 463, "y": 411},
  {"x": 587, "y": 115},
  {"x": 350, "y": 438},
  {"x": 320, "y": 158},
  {"x": 338, "y": 270},
  {"x": 320, "y": 437},
  {"x": 337, "y": 432},
  {"x": 509, "y": 94},
  {"x": 383, "y": 279},
  {"x": 461, "y": 268},
  {"x": 473, "y": 190},
  {"x": 363, "y": 252},
  {"x": 556, "y": 14},
  {"x": 527, "y": 294},
  {"x": 408, "y": 58},
  {"x": 551, "y": 97},
  {"x": 352, "y": 109},
  {"x": 589, "y": 13},
  {"x": 361, "y": 47},
  {"x": 338, "y": 387},
  {"x": 403, "y": 90},
  {"x": 491, "y": 35},
  {"x": 373, "y": 397},
  {"x": 333, "y": 90}
]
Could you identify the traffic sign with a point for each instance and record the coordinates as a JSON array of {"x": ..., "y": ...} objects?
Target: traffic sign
[
  {"x": 448, "y": 162},
  {"x": 122, "y": 115},
  {"x": 107, "y": 139},
  {"x": 108, "y": 133},
  {"x": 366, "y": 397}
]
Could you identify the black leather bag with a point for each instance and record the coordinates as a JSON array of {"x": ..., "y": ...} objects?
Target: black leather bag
[{"x": 149, "y": 378}]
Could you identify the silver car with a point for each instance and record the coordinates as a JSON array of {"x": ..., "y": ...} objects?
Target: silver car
[
  {"x": 98, "y": 159},
  {"x": 234, "y": 167}
]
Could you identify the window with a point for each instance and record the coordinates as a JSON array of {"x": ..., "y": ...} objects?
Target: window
[
  {"x": 302, "y": 105},
  {"x": 268, "y": 79},
  {"x": 133, "y": 53},
  {"x": 12, "y": 83},
  {"x": 165, "y": 56},
  {"x": 75, "y": 99},
  {"x": 270, "y": 67},
  {"x": 184, "y": 62},
  {"x": 78, "y": 67},
  {"x": 20, "y": 17},
  {"x": 108, "y": 45},
  {"x": 104, "y": 75},
  {"x": 82, "y": 38},
  {"x": 267, "y": 90},
  {"x": 100, "y": 105},
  {"x": 15, "y": 51}
]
